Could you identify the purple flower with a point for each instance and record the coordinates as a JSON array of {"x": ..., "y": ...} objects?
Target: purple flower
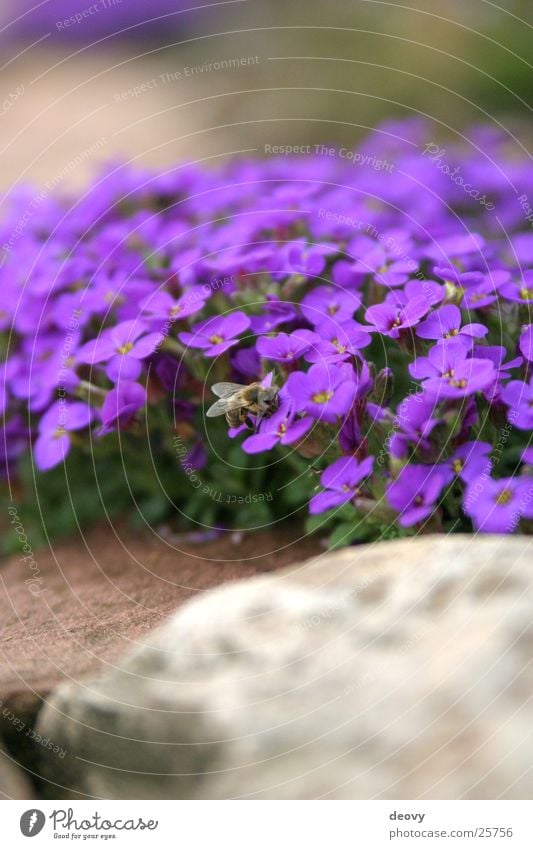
[
  {"x": 162, "y": 305},
  {"x": 413, "y": 424},
  {"x": 325, "y": 393},
  {"x": 457, "y": 246},
  {"x": 526, "y": 342},
  {"x": 527, "y": 456},
  {"x": 282, "y": 427},
  {"x": 53, "y": 442},
  {"x": 389, "y": 319},
  {"x": 334, "y": 342},
  {"x": 100, "y": 280},
  {"x": 122, "y": 347},
  {"x": 518, "y": 396},
  {"x": 445, "y": 323},
  {"x": 276, "y": 312},
  {"x": 457, "y": 279},
  {"x": 120, "y": 406},
  {"x": 433, "y": 292},
  {"x": 13, "y": 442},
  {"x": 448, "y": 372},
  {"x": 284, "y": 347},
  {"x": 414, "y": 492},
  {"x": 481, "y": 294},
  {"x": 308, "y": 260},
  {"x": 519, "y": 293},
  {"x": 496, "y": 354},
  {"x": 216, "y": 335},
  {"x": 341, "y": 482},
  {"x": 326, "y": 301},
  {"x": 497, "y": 506},
  {"x": 468, "y": 462},
  {"x": 385, "y": 265}
]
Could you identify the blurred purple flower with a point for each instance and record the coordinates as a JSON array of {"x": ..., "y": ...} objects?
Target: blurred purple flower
[
  {"x": 468, "y": 462},
  {"x": 526, "y": 342},
  {"x": 445, "y": 323},
  {"x": 284, "y": 347},
  {"x": 448, "y": 372},
  {"x": 324, "y": 393},
  {"x": 341, "y": 482},
  {"x": 519, "y": 293},
  {"x": 162, "y": 305},
  {"x": 326, "y": 301},
  {"x": 53, "y": 442},
  {"x": 120, "y": 406},
  {"x": 122, "y": 348},
  {"x": 497, "y": 506},
  {"x": 215, "y": 335},
  {"x": 518, "y": 396},
  {"x": 390, "y": 320},
  {"x": 335, "y": 342},
  {"x": 414, "y": 492},
  {"x": 282, "y": 427}
]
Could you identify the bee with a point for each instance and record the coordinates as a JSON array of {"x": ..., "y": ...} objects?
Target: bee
[{"x": 237, "y": 402}]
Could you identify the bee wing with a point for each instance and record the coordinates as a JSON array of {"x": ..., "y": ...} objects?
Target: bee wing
[
  {"x": 223, "y": 406},
  {"x": 224, "y": 390}
]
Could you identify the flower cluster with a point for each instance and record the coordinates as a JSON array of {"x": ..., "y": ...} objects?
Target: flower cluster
[{"x": 393, "y": 315}]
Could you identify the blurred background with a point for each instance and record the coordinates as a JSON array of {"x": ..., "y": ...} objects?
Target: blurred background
[{"x": 159, "y": 80}]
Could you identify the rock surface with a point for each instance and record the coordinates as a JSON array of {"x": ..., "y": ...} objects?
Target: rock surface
[{"x": 399, "y": 670}]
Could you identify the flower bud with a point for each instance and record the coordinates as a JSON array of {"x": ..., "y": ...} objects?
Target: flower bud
[
  {"x": 383, "y": 387},
  {"x": 454, "y": 294}
]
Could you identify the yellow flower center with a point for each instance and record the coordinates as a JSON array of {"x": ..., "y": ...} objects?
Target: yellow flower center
[
  {"x": 175, "y": 311},
  {"x": 504, "y": 497},
  {"x": 340, "y": 348},
  {"x": 59, "y": 432},
  {"x": 457, "y": 466},
  {"x": 459, "y": 384},
  {"x": 125, "y": 349},
  {"x": 216, "y": 340},
  {"x": 322, "y": 397},
  {"x": 451, "y": 333},
  {"x": 526, "y": 294}
]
